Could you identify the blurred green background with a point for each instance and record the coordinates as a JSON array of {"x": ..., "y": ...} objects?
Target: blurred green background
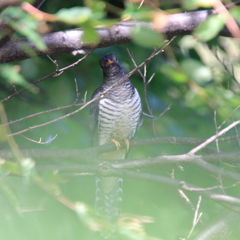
[{"x": 187, "y": 76}]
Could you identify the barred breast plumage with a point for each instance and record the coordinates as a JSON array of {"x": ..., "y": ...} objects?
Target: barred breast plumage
[{"x": 117, "y": 114}]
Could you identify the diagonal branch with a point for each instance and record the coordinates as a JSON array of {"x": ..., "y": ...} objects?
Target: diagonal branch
[{"x": 213, "y": 138}]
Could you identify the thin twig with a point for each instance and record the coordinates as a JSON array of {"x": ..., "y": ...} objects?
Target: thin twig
[
  {"x": 43, "y": 112},
  {"x": 77, "y": 93},
  {"x": 56, "y": 73},
  {"x": 229, "y": 116},
  {"x": 216, "y": 128},
  {"x": 230, "y": 72},
  {"x": 213, "y": 138},
  {"x": 196, "y": 218},
  {"x": 145, "y": 83},
  {"x": 40, "y": 141}
]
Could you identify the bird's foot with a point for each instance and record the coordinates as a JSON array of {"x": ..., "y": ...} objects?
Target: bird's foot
[
  {"x": 117, "y": 144},
  {"x": 127, "y": 144}
]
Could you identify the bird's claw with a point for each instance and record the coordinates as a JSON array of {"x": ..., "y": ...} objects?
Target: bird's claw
[
  {"x": 117, "y": 144},
  {"x": 127, "y": 144}
]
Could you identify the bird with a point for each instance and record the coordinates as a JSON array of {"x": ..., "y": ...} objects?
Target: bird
[{"x": 115, "y": 116}]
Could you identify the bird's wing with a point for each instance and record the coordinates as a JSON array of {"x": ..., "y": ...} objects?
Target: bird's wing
[
  {"x": 94, "y": 111},
  {"x": 140, "y": 120}
]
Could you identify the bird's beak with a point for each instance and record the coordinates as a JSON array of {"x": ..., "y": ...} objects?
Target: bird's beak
[{"x": 109, "y": 62}]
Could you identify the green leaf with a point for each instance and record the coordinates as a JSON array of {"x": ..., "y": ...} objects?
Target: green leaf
[
  {"x": 25, "y": 24},
  {"x": 193, "y": 4},
  {"x": 90, "y": 35},
  {"x": 210, "y": 28},
  {"x": 196, "y": 71},
  {"x": 11, "y": 74},
  {"x": 75, "y": 15},
  {"x": 173, "y": 73},
  {"x": 235, "y": 13},
  {"x": 98, "y": 9},
  {"x": 133, "y": 11},
  {"x": 11, "y": 167},
  {"x": 146, "y": 37}
]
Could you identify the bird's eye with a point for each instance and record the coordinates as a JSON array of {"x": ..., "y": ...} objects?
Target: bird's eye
[{"x": 116, "y": 59}]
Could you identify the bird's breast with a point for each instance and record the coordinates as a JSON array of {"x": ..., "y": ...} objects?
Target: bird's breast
[{"x": 118, "y": 117}]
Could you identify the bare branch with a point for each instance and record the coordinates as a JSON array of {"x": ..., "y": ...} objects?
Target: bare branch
[
  {"x": 216, "y": 128},
  {"x": 230, "y": 72},
  {"x": 90, "y": 154},
  {"x": 196, "y": 218},
  {"x": 40, "y": 140},
  {"x": 213, "y": 138}
]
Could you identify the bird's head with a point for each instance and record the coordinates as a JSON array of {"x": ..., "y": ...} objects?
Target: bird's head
[{"x": 111, "y": 67}]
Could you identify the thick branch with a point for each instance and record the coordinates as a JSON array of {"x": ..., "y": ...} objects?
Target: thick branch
[
  {"x": 89, "y": 155},
  {"x": 71, "y": 40},
  {"x": 107, "y": 167}
]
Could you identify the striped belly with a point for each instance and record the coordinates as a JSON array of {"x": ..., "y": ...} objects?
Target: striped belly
[{"x": 118, "y": 120}]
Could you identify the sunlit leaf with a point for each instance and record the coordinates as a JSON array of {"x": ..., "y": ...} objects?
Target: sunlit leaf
[
  {"x": 11, "y": 167},
  {"x": 25, "y": 24},
  {"x": 193, "y": 4},
  {"x": 90, "y": 35},
  {"x": 210, "y": 28},
  {"x": 98, "y": 9},
  {"x": 235, "y": 12},
  {"x": 75, "y": 15},
  {"x": 174, "y": 74},
  {"x": 146, "y": 37},
  {"x": 197, "y": 71},
  {"x": 12, "y": 75},
  {"x": 133, "y": 11}
]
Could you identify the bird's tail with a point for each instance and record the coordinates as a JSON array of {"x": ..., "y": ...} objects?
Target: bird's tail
[
  {"x": 109, "y": 191},
  {"x": 109, "y": 197}
]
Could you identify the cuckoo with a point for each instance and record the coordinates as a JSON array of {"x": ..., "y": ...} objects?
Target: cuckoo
[{"x": 115, "y": 116}]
